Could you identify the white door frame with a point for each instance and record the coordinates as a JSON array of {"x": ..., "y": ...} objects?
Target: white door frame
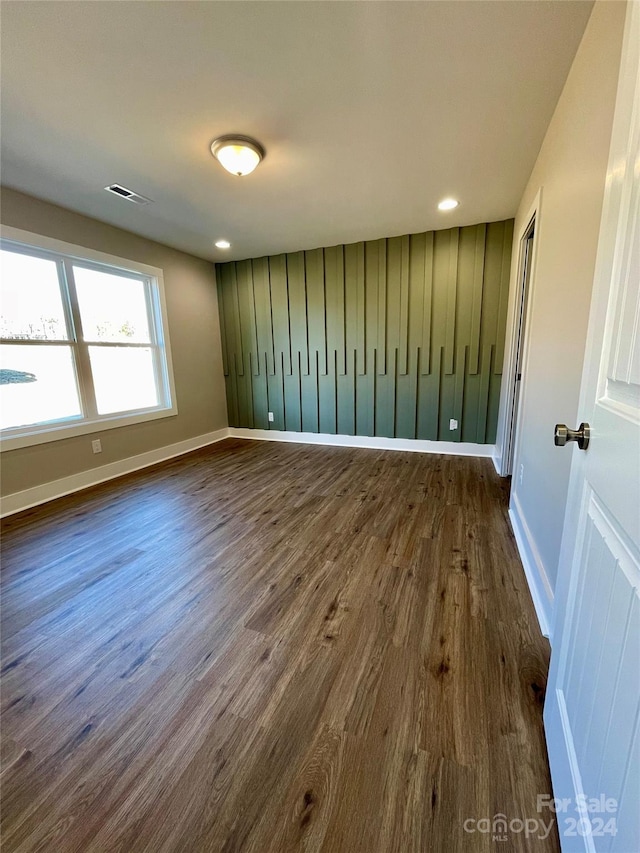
[{"x": 505, "y": 462}]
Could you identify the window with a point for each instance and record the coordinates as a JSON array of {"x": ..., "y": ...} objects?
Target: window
[{"x": 82, "y": 343}]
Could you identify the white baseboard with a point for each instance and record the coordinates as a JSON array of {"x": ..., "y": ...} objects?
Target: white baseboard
[
  {"x": 19, "y": 501},
  {"x": 537, "y": 578},
  {"x": 497, "y": 461},
  {"x": 455, "y": 448}
]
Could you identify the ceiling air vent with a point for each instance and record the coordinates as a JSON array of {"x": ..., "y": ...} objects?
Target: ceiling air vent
[{"x": 129, "y": 195}]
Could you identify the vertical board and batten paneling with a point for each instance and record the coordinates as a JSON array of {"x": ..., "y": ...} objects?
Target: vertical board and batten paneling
[{"x": 390, "y": 337}]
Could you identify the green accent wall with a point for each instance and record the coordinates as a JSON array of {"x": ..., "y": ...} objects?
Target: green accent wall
[{"x": 389, "y": 337}]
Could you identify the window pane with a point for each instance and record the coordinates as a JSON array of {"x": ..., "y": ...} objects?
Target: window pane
[
  {"x": 123, "y": 378},
  {"x": 112, "y": 308},
  {"x": 30, "y": 300},
  {"x": 37, "y": 384}
]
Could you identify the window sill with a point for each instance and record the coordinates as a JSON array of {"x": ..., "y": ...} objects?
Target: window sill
[{"x": 46, "y": 432}]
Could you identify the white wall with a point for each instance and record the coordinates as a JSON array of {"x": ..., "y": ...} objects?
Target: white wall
[{"x": 570, "y": 173}]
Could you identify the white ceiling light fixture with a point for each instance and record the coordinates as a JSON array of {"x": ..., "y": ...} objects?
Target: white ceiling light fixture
[
  {"x": 448, "y": 204},
  {"x": 223, "y": 244},
  {"x": 237, "y": 154}
]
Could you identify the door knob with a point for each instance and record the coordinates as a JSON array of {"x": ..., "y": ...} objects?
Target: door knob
[{"x": 562, "y": 434}]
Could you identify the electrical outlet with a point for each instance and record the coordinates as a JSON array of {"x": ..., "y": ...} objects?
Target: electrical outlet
[
  {"x": 271, "y": 416},
  {"x": 96, "y": 445},
  {"x": 453, "y": 424},
  {"x": 521, "y": 477}
]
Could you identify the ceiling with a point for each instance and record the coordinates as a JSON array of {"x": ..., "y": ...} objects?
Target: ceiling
[{"x": 370, "y": 112}]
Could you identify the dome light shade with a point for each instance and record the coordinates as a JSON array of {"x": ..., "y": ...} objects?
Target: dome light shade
[
  {"x": 223, "y": 244},
  {"x": 237, "y": 154}
]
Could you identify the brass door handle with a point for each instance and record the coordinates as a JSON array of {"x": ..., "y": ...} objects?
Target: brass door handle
[{"x": 562, "y": 434}]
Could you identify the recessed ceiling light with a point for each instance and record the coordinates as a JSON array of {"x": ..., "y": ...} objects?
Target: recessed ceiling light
[
  {"x": 448, "y": 204},
  {"x": 237, "y": 154},
  {"x": 223, "y": 244}
]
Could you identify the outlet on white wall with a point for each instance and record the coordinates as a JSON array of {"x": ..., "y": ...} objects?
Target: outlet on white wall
[
  {"x": 271, "y": 416},
  {"x": 453, "y": 424},
  {"x": 521, "y": 476},
  {"x": 96, "y": 445}
]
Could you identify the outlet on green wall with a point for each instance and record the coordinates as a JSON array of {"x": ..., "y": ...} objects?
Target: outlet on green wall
[{"x": 395, "y": 337}]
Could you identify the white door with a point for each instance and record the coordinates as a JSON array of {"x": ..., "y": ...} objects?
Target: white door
[{"x": 593, "y": 697}]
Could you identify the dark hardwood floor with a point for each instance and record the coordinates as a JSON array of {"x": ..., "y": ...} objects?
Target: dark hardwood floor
[{"x": 268, "y": 647}]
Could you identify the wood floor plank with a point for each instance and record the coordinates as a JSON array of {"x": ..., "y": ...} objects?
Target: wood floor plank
[{"x": 269, "y": 648}]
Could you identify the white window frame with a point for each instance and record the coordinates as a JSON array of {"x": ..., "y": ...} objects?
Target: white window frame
[{"x": 68, "y": 254}]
